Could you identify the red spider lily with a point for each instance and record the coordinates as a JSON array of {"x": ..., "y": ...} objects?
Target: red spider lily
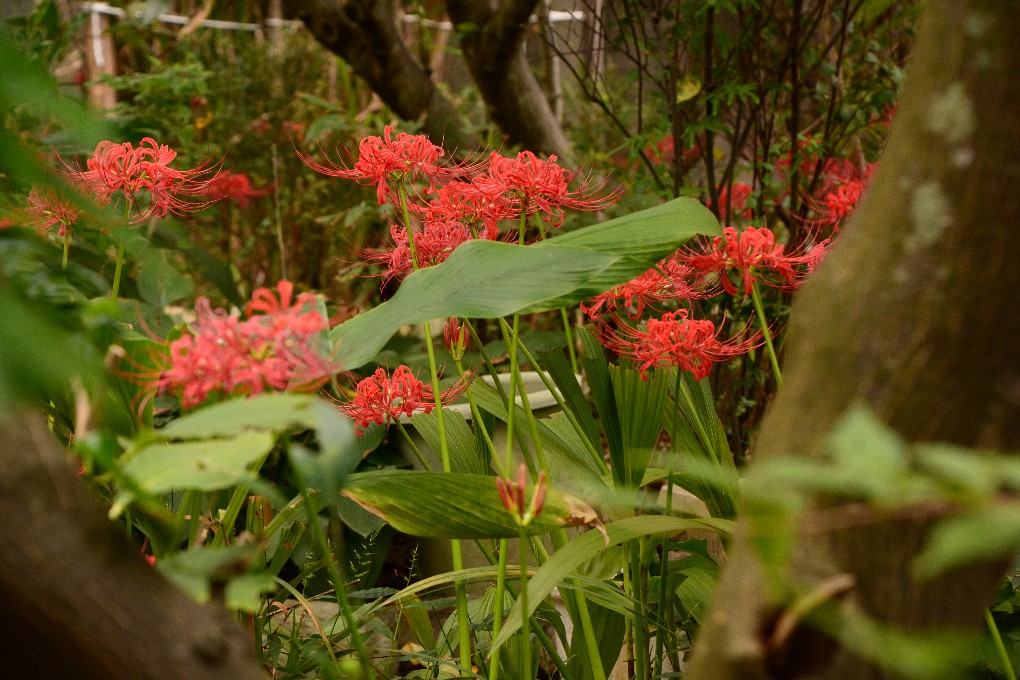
[
  {"x": 46, "y": 210},
  {"x": 221, "y": 354},
  {"x": 543, "y": 186},
  {"x": 433, "y": 244},
  {"x": 677, "y": 340},
  {"x": 670, "y": 280},
  {"x": 841, "y": 198},
  {"x": 233, "y": 186},
  {"x": 136, "y": 171},
  {"x": 284, "y": 312},
  {"x": 741, "y": 259},
  {"x": 472, "y": 203},
  {"x": 387, "y": 158},
  {"x": 381, "y": 399},
  {"x": 511, "y": 493}
]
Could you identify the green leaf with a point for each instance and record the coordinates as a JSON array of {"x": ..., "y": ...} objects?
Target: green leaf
[
  {"x": 583, "y": 548},
  {"x": 194, "y": 571},
  {"x": 158, "y": 281},
  {"x": 638, "y": 402},
  {"x": 864, "y": 445},
  {"x": 979, "y": 536},
  {"x": 203, "y": 465},
  {"x": 276, "y": 412},
  {"x": 596, "y": 369},
  {"x": 452, "y": 505},
  {"x": 487, "y": 279},
  {"x": 245, "y": 593},
  {"x": 340, "y": 450},
  {"x": 480, "y": 279},
  {"x": 464, "y": 453}
]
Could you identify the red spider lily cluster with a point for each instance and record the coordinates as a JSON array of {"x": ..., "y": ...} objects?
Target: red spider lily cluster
[
  {"x": 677, "y": 340},
  {"x": 740, "y": 259},
  {"x": 670, "y": 280},
  {"x": 221, "y": 354},
  {"x": 143, "y": 176},
  {"x": 455, "y": 202},
  {"x": 735, "y": 262},
  {"x": 380, "y": 398}
]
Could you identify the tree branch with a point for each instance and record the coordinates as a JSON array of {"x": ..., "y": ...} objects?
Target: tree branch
[{"x": 365, "y": 34}]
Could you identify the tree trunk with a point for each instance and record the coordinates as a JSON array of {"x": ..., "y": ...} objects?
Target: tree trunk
[
  {"x": 493, "y": 49},
  {"x": 79, "y": 601},
  {"x": 913, "y": 314},
  {"x": 365, "y": 34}
]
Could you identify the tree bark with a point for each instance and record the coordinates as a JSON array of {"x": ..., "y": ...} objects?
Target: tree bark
[
  {"x": 492, "y": 39},
  {"x": 79, "y": 601},
  {"x": 365, "y": 34},
  {"x": 913, "y": 314}
]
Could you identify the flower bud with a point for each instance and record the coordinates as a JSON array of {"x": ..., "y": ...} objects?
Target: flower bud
[{"x": 456, "y": 336}]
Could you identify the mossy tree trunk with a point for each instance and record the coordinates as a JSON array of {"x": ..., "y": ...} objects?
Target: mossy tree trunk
[
  {"x": 79, "y": 600},
  {"x": 915, "y": 315}
]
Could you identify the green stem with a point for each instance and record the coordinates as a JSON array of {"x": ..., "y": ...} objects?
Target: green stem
[
  {"x": 641, "y": 666},
  {"x": 497, "y": 607},
  {"x": 115, "y": 291},
  {"x": 763, "y": 323},
  {"x": 67, "y": 248},
  {"x": 999, "y": 647},
  {"x": 568, "y": 333},
  {"x": 280, "y": 243},
  {"x": 463, "y": 621},
  {"x": 339, "y": 587},
  {"x": 120, "y": 253},
  {"x": 512, "y": 339},
  {"x": 414, "y": 447},
  {"x": 525, "y": 620},
  {"x": 402, "y": 199},
  {"x": 664, "y": 558}
]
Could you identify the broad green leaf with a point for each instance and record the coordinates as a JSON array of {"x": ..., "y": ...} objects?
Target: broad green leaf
[
  {"x": 979, "y": 536},
  {"x": 246, "y": 593},
  {"x": 453, "y": 505},
  {"x": 583, "y": 548},
  {"x": 266, "y": 412},
  {"x": 863, "y": 444},
  {"x": 158, "y": 281},
  {"x": 202, "y": 465},
  {"x": 487, "y": 279},
  {"x": 194, "y": 571},
  {"x": 699, "y": 576},
  {"x": 480, "y": 279},
  {"x": 643, "y": 238},
  {"x": 339, "y": 451}
]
